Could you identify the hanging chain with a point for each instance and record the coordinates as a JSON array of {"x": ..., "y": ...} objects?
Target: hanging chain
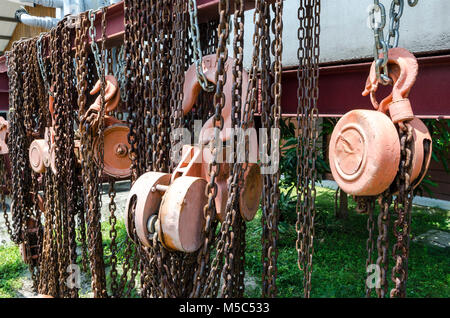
[
  {"x": 197, "y": 50},
  {"x": 94, "y": 45},
  {"x": 17, "y": 141},
  {"x": 403, "y": 208},
  {"x": 366, "y": 205},
  {"x": 307, "y": 113},
  {"x": 233, "y": 271},
  {"x": 91, "y": 175},
  {"x": 70, "y": 177},
  {"x": 271, "y": 114},
  {"x": 208, "y": 284},
  {"x": 42, "y": 64},
  {"x": 383, "y": 241},
  {"x": 382, "y": 44},
  {"x": 5, "y": 188}
]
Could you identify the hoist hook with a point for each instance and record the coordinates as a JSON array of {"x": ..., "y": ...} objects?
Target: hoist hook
[{"x": 403, "y": 70}]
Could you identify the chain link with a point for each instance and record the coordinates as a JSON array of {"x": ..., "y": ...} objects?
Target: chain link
[
  {"x": 382, "y": 44},
  {"x": 307, "y": 114},
  {"x": 197, "y": 49},
  {"x": 403, "y": 208}
]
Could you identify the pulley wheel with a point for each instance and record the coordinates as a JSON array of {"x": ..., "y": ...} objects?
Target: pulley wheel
[
  {"x": 116, "y": 159},
  {"x": 181, "y": 214},
  {"x": 146, "y": 200},
  {"x": 251, "y": 192},
  {"x": 39, "y": 155},
  {"x": 364, "y": 152}
]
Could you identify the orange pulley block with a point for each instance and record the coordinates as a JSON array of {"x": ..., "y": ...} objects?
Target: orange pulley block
[
  {"x": 364, "y": 149},
  {"x": 171, "y": 206},
  {"x": 116, "y": 161},
  {"x": 40, "y": 153},
  {"x": 4, "y": 129}
]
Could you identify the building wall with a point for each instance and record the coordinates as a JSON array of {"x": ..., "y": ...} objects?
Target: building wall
[{"x": 345, "y": 34}]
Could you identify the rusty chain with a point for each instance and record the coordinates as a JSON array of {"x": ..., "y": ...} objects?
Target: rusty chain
[
  {"x": 403, "y": 208},
  {"x": 307, "y": 114}
]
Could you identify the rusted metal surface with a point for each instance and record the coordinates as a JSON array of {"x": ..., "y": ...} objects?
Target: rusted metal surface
[
  {"x": 115, "y": 147},
  {"x": 192, "y": 89}
]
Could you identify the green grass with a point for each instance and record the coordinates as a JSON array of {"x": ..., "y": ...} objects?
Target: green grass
[
  {"x": 12, "y": 269},
  {"x": 339, "y": 257},
  {"x": 340, "y": 254}
]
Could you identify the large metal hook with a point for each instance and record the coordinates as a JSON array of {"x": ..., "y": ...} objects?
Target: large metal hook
[{"x": 403, "y": 70}]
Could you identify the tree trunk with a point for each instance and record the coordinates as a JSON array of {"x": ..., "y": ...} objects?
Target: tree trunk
[{"x": 342, "y": 211}]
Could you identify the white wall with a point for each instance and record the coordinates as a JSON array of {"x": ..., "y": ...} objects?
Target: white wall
[{"x": 346, "y": 36}]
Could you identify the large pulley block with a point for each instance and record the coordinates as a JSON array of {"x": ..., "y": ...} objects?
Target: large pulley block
[
  {"x": 113, "y": 157},
  {"x": 154, "y": 207},
  {"x": 364, "y": 147},
  {"x": 171, "y": 207}
]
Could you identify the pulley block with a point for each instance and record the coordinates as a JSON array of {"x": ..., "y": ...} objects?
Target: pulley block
[
  {"x": 40, "y": 152},
  {"x": 171, "y": 208},
  {"x": 364, "y": 147},
  {"x": 116, "y": 159}
]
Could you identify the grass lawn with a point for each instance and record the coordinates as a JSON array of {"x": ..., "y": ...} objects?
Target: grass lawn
[
  {"x": 340, "y": 254},
  {"x": 12, "y": 269},
  {"x": 339, "y": 258}
]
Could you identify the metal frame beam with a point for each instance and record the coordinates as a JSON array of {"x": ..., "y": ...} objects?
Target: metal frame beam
[{"x": 340, "y": 86}]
